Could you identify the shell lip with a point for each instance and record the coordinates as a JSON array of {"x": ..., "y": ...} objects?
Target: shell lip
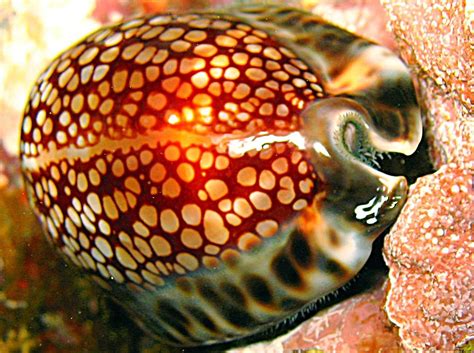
[{"x": 406, "y": 144}]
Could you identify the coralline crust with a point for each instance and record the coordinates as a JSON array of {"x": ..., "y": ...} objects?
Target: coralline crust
[
  {"x": 347, "y": 327},
  {"x": 429, "y": 252},
  {"x": 430, "y": 249},
  {"x": 442, "y": 31},
  {"x": 434, "y": 39}
]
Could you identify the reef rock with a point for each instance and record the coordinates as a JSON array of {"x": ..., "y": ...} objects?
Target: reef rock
[
  {"x": 430, "y": 254},
  {"x": 430, "y": 248}
]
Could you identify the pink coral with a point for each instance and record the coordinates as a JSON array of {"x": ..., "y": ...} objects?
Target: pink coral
[
  {"x": 348, "y": 326},
  {"x": 430, "y": 249},
  {"x": 434, "y": 38},
  {"x": 429, "y": 252}
]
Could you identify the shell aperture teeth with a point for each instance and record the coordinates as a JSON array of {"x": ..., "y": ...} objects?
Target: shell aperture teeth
[{"x": 337, "y": 131}]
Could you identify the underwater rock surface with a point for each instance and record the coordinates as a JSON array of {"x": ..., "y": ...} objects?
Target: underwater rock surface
[
  {"x": 429, "y": 252},
  {"x": 430, "y": 248}
]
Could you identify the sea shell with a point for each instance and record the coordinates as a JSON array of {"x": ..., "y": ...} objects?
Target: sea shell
[{"x": 215, "y": 172}]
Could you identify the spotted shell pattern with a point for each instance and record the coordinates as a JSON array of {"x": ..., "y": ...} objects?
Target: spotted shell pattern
[{"x": 195, "y": 165}]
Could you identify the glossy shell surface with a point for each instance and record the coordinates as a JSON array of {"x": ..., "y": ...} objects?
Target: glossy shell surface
[{"x": 208, "y": 169}]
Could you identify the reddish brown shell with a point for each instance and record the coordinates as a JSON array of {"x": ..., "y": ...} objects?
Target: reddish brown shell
[
  {"x": 198, "y": 168},
  {"x": 166, "y": 77}
]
